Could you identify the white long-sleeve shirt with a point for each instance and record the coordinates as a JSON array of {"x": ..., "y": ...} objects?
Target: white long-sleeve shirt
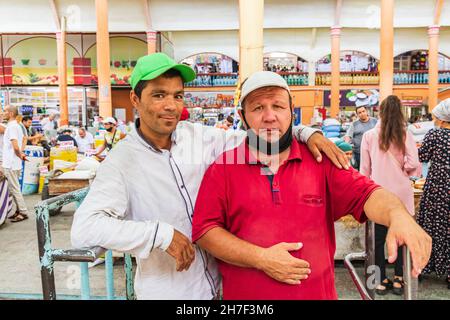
[{"x": 141, "y": 194}]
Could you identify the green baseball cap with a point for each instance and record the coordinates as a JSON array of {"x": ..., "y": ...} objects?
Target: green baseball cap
[{"x": 152, "y": 66}]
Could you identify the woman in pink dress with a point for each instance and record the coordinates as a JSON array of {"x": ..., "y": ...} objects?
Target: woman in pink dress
[{"x": 389, "y": 156}]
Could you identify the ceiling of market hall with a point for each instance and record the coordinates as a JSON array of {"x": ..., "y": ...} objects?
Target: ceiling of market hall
[
  {"x": 30, "y": 16},
  {"x": 299, "y": 27}
]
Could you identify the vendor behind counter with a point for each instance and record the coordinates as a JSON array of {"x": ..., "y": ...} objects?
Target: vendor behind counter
[{"x": 66, "y": 135}]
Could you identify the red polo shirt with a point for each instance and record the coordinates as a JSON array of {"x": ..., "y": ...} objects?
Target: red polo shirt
[{"x": 298, "y": 204}]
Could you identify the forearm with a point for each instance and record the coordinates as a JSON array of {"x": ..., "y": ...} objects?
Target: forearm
[
  {"x": 18, "y": 152},
  {"x": 16, "y": 148},
  {"x": 91, "y": 229},
  {"x": 229, "y": 248},
  {"x": 303, "y": 133},
  {"x": 100, "y": 150},
  {"x": 383, "y": 206}
]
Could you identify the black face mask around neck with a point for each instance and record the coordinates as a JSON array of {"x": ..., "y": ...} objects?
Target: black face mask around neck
[{"x": 265, "y": 146}]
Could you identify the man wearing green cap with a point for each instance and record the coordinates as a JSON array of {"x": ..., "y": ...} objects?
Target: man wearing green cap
[{"x": 142, "y": 199}]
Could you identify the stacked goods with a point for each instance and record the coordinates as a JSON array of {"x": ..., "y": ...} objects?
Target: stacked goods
[
  {"x": 99, "y": 138},
  {"x": 331, "y": 128},
  {"x": 82, "y": 71},
  {"x": 63, "y": 153},
  {"x": 43, "y": 174},
  {"x": 81, "y": 177},
  {"x": 30, "y": 169}
]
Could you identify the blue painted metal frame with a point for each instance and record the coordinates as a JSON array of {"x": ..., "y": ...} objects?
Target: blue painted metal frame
[{"x": 48, "y": 256}]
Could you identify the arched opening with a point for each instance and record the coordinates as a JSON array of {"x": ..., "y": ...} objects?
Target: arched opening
[
  {"x": 124, "y": 53},
  {"x": 213, "y": 69},
  {"x": 291, "y": 67},
  {"x": 34, "y": 61},
  {"x": 356, "y": 67},
  {"x": 350, "y": 61},
  {"x": 211, "y": 62},
  {"x": 417, "y": 60},
  {"x": 284, "y": 62},
  {"x": 411, "y": 67}
]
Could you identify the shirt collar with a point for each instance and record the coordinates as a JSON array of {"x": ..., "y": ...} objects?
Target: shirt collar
[{"x": 137, "y": 132}]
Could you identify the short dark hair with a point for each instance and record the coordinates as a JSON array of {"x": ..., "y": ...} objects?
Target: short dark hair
[
  {"x": 230, "y": 119},
  {"x": 140, "y": 86},
  {"x": 359, "y": 107},
  {"x": 26, "y": 118}
]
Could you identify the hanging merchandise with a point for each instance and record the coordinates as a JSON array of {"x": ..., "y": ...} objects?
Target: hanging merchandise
[{"x": 419, "y": 60}]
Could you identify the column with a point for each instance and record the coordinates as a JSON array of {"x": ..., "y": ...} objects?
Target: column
[
  {"x": 103, "y": 57},
  {"x": 62, "y": 73},
  {"x": 335, "y": 70},
  {"x": 433, "y": 68},
  {"x": 251, "y": 37},
  {"x": 151, "y": 41},
  {"x": 386, "y": 48},
  {"x": 311, "y": 73}
]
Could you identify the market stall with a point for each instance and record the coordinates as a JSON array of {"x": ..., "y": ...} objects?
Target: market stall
[
  {"x": 38, "y": 101},
  {"x": 208, "y": 107},
  {"x": 284, "y": 62}
]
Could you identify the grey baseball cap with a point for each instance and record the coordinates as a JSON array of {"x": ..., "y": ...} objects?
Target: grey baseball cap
[{"x": 262, "y": 79}]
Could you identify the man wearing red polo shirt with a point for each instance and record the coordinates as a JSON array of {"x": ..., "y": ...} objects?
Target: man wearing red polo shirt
[{"x": 266, "y": 209}]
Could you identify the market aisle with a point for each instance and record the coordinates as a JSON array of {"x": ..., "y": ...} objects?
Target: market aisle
[{"x": 19, "y": 253}]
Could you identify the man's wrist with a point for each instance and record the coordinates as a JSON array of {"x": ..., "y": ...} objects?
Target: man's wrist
[
  {"x": 307, "y": 132},
  {"x": 396, "y": 213},
  {"x": 313, "y": 133},
  {"x": 259, "y": 258}
]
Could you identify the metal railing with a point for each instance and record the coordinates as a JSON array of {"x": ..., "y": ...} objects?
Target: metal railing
[
  {"x": 419, "y": 77},
  {"x": 367, "y": 288},
  {"x": 48, "y": 255},
  {"x": 295, "y": 78},
  {"x": 349, "y": 78},
  {"x": 411, "y": 77}
]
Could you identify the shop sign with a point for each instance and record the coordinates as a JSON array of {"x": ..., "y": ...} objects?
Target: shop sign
[
  {"x": 412, "y": 101},
  {"x": 354, "y": 98}
]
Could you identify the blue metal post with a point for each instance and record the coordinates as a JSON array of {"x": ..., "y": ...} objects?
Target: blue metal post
[
  {"x": 109, "y": 271},
  {"x": 85, "y": 288},
  {"x": 129, "y": 277}
]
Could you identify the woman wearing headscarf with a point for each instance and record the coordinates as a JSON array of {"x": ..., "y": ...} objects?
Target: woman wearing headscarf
[
  {"x": 389, "y": 157},
  {"x": 434, "y": 212}
]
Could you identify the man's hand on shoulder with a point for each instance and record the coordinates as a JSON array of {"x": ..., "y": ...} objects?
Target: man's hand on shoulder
[{"x": 317, "y": 143}]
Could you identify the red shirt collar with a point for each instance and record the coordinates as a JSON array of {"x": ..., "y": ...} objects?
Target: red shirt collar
[{"x": 294, "y": 153}]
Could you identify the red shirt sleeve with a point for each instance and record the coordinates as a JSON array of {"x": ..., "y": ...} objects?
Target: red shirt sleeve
[
  {"x": 210, "y": 206},
  {"x": 348, "y": 191}
]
